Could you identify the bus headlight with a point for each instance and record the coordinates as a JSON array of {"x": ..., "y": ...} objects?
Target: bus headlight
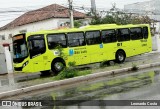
[{"x": 25, "y": 63}]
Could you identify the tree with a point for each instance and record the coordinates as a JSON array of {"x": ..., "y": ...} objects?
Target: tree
[{"x": 118, "y": 17}]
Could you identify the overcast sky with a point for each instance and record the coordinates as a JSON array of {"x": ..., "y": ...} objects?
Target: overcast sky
[{"x": 27, "y": 5}]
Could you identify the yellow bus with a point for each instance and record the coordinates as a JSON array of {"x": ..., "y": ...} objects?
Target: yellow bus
[{"x": 37, "y": 51}]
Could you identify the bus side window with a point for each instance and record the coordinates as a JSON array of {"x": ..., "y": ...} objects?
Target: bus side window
[
  {"x": 136, "y": 33},
  {"x": 76, "y": 39},
  {"x": 55, "y": 40},
  {"x": 36, "y": 45},
  {"x": 93, "y": 37},
  {"x": 145, "y": 32},
  {"x": 108, "y": 36},
  {"x": 123, "y": 34}
]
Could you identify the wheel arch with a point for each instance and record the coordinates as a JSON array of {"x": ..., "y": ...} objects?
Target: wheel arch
[
  {"x": 120, "y": 50},
  {"x": 58, "y": 59}
]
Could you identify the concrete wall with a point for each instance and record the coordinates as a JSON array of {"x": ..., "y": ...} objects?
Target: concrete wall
[{"x": 3, "y": 67}]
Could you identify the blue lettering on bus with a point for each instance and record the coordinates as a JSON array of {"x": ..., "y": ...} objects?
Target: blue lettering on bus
[
  {"x": 101, "y": 45},
  {"x": 71, "y": 52}
]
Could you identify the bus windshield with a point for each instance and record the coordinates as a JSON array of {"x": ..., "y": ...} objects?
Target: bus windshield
[{"x": 19, "y": 49}]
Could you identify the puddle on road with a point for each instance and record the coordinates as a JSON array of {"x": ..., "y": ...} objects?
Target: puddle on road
[
  {"x": 12, "y": 82},
  {"x": 98, "y": 90}
]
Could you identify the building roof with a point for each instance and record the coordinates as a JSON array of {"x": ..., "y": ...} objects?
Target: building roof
[{"x": 48, "y": 12}]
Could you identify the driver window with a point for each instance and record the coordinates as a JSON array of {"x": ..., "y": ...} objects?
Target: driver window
[{"x": 36, "y": 45}]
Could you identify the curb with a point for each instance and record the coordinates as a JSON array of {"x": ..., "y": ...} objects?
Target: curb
[{"x": 71, "y": 80}]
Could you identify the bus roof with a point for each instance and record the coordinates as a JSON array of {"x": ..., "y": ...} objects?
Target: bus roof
[{"x": 88, "y": 28}]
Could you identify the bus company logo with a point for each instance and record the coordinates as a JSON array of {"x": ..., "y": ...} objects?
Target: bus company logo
[
  {"x": 6, "y": 103},
  {"x": 56, "y": 53},
  {"x": 101, "y": 45},
  {"x": 71, "y": 52}
]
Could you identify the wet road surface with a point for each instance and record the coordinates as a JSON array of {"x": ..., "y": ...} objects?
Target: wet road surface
[
  {"x": 141, "y": 85},
  {"x": 20, "y": 80}
]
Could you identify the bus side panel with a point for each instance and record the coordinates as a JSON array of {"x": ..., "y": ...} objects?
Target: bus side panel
[
  {"x": 29, "y": 67},
  {"x": 96, "y": 53},
  {"x": 79, "y": 55},
  {"x": 109, "y": 51}
]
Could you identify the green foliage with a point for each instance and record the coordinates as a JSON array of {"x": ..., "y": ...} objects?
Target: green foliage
[
  {"x": 118, "y": 17},
  {"x": 61, "y": 53},
  {"x": 96, "y": 20},
  {"x": 67, "y": 73},
  {"x": 71, "y": 64},
  {"x": 70, "y": 73},
  {"x": 108, "y": 20},
  {"x": 77, "y": 24}
]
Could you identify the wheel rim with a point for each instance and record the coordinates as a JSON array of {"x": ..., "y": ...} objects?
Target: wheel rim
[
  {"x": 120, "y": 57},
  {"x": 58, "y": 66}
]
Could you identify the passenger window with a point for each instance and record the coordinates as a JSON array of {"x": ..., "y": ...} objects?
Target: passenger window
[
  {"x": 145, "y": 32},
  {"x": 108, "y": 36},
  {"x": 93, "y": 37},
  {"x": 36, "y": 45},
  {"x": 55, "y": 40},
  {"x": 76, "y": 39},
  {"x": 123, "y": 34},
  {"x": 136, "y": 33}
]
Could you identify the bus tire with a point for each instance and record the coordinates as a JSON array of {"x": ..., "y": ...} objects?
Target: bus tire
[
  {"x": 120, "y": 56},
  {"x": 57, "y": 66}
]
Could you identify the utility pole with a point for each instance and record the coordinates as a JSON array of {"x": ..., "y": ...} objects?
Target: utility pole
[
  {"x": 93, "y": 7},
  {"x": 71, "y": 13}
]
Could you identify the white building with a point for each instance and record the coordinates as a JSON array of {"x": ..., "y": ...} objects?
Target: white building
[
  {"x": 150, "y": 8},
  {"x": 46, "y": 18}
]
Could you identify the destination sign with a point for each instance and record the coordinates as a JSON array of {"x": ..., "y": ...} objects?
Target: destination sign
[{"x": 18, "y": 37}]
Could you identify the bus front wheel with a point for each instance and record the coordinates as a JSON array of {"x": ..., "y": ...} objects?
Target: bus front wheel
[
  {"x": 57, "y": 66},
  {"x": 120, "y": 56}
]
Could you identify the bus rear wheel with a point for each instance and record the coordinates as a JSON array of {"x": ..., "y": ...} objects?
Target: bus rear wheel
[
  {"x": 120, "y": 56},
  {"x": 57, "y": 66}
]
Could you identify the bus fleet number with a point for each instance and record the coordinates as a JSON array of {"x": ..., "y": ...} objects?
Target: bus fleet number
[{"x": 119, "y": 44}]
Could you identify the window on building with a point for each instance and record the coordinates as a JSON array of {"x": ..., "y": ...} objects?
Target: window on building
[
  {"x": 123, "y": 34},
  {"x": 145, "y": 32},
  {"x": 93, "y": 37},
  {"x": 10, "y": 36},
  {"x": 55, "y": 40},
  {"x": 136, "y": 33},
  {"x": 2, "y": 37},
  {"x": 108, "y": 36},
  {"x": 76, "y": 39}
]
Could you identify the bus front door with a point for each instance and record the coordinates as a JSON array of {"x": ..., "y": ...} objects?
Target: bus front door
[{"x": 37, "y": 51}]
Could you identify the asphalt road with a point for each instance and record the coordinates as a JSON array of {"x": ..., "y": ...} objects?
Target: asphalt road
[{"x": 140, "y": 85}]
